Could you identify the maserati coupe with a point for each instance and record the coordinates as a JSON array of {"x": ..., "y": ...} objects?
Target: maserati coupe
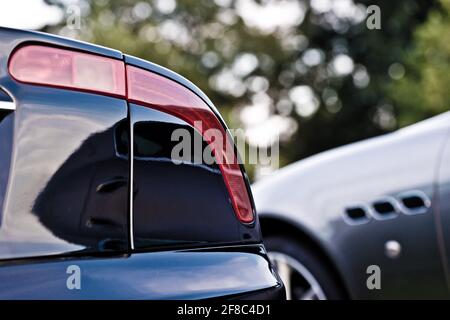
[
  {"x": 92, "y": 203},
  {"x": 370, "y": 220}
]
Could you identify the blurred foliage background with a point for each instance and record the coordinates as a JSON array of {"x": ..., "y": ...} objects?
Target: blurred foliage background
[{"x": 307, "y": 70}]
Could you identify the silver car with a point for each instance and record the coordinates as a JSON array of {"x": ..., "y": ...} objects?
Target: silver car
[{"x": 370, "y": 220}]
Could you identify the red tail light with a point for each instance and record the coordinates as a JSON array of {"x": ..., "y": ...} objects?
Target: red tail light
[
  {"x": 168, "y": 96},
  {"x": 62, "y": 68},
  {"x": 68, "y": 69}
]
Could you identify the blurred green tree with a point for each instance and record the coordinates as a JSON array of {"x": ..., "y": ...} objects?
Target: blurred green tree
[
  {"x": 424, "y": 90},
  {"x": 308, "y": 69}
]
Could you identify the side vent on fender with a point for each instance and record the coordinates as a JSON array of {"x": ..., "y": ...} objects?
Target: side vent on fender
[
  {"x": 385, "y": 208},
  {"x": 356, "y": 214},
  {"x": 414, "y": 202}
]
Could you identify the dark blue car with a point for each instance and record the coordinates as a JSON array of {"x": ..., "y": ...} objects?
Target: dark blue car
[{"x": 92, "y": 205}]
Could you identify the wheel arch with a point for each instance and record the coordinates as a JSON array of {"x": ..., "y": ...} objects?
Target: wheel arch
[{"x": 272, "y": 224}]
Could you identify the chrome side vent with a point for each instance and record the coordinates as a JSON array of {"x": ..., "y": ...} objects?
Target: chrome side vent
[
  {"x": 414, "y": 202},
  {"x": 388, "y": 207},
  {"x": 356, "y": 214},
  {"x": 385, "y": 208}
]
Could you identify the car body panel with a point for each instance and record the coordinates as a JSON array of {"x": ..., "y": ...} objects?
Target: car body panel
[
  {"x": 195, "y": 274},
  {"x": 249, "y": 233},
  {"x": 61, "y": 139},
  {"x": 321, "y": 187},
  {"x": 189, "y": 201},
  {"x": 443, "y": 208},
  {"x": 65, "y": 200},
  {"x": 48, "y": 134}
]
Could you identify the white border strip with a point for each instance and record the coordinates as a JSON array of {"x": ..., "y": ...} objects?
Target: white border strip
[{"x": 7, "y": 105}]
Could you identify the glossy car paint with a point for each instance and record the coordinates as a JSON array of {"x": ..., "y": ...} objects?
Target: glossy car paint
[
  {"x": 57, "y": 163},
  {"x": 169, "y": 187},
  {"x": 248, "y": 233},
  {"x": 194, "y": 274},
  {"x": 66, "y": 200},
  {"x": 321, "y": 187},
  {"x": 442, "y": 210}
]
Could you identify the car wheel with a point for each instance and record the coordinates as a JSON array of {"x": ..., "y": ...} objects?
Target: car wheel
[{"x": 304, "y": 275}]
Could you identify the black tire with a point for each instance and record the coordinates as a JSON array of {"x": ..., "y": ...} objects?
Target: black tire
[{"x": 310, "y": 260}]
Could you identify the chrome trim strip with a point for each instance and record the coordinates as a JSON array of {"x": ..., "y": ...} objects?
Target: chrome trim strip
[
  {"x": 357, "y": 221},
  {"x": 7, "y": 105},
  {"x": 131, "y": 195},
  {"x": 386, "y": 216}
]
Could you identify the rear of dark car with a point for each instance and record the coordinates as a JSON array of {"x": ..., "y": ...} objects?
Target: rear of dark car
[{"x": 91, "y": 209}]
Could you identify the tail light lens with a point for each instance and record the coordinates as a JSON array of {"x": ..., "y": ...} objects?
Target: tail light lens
[
  {"x": 63, "y": 68},
  {"x": 68, "y": 69},
  {"x": 166, "y": 95}
]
